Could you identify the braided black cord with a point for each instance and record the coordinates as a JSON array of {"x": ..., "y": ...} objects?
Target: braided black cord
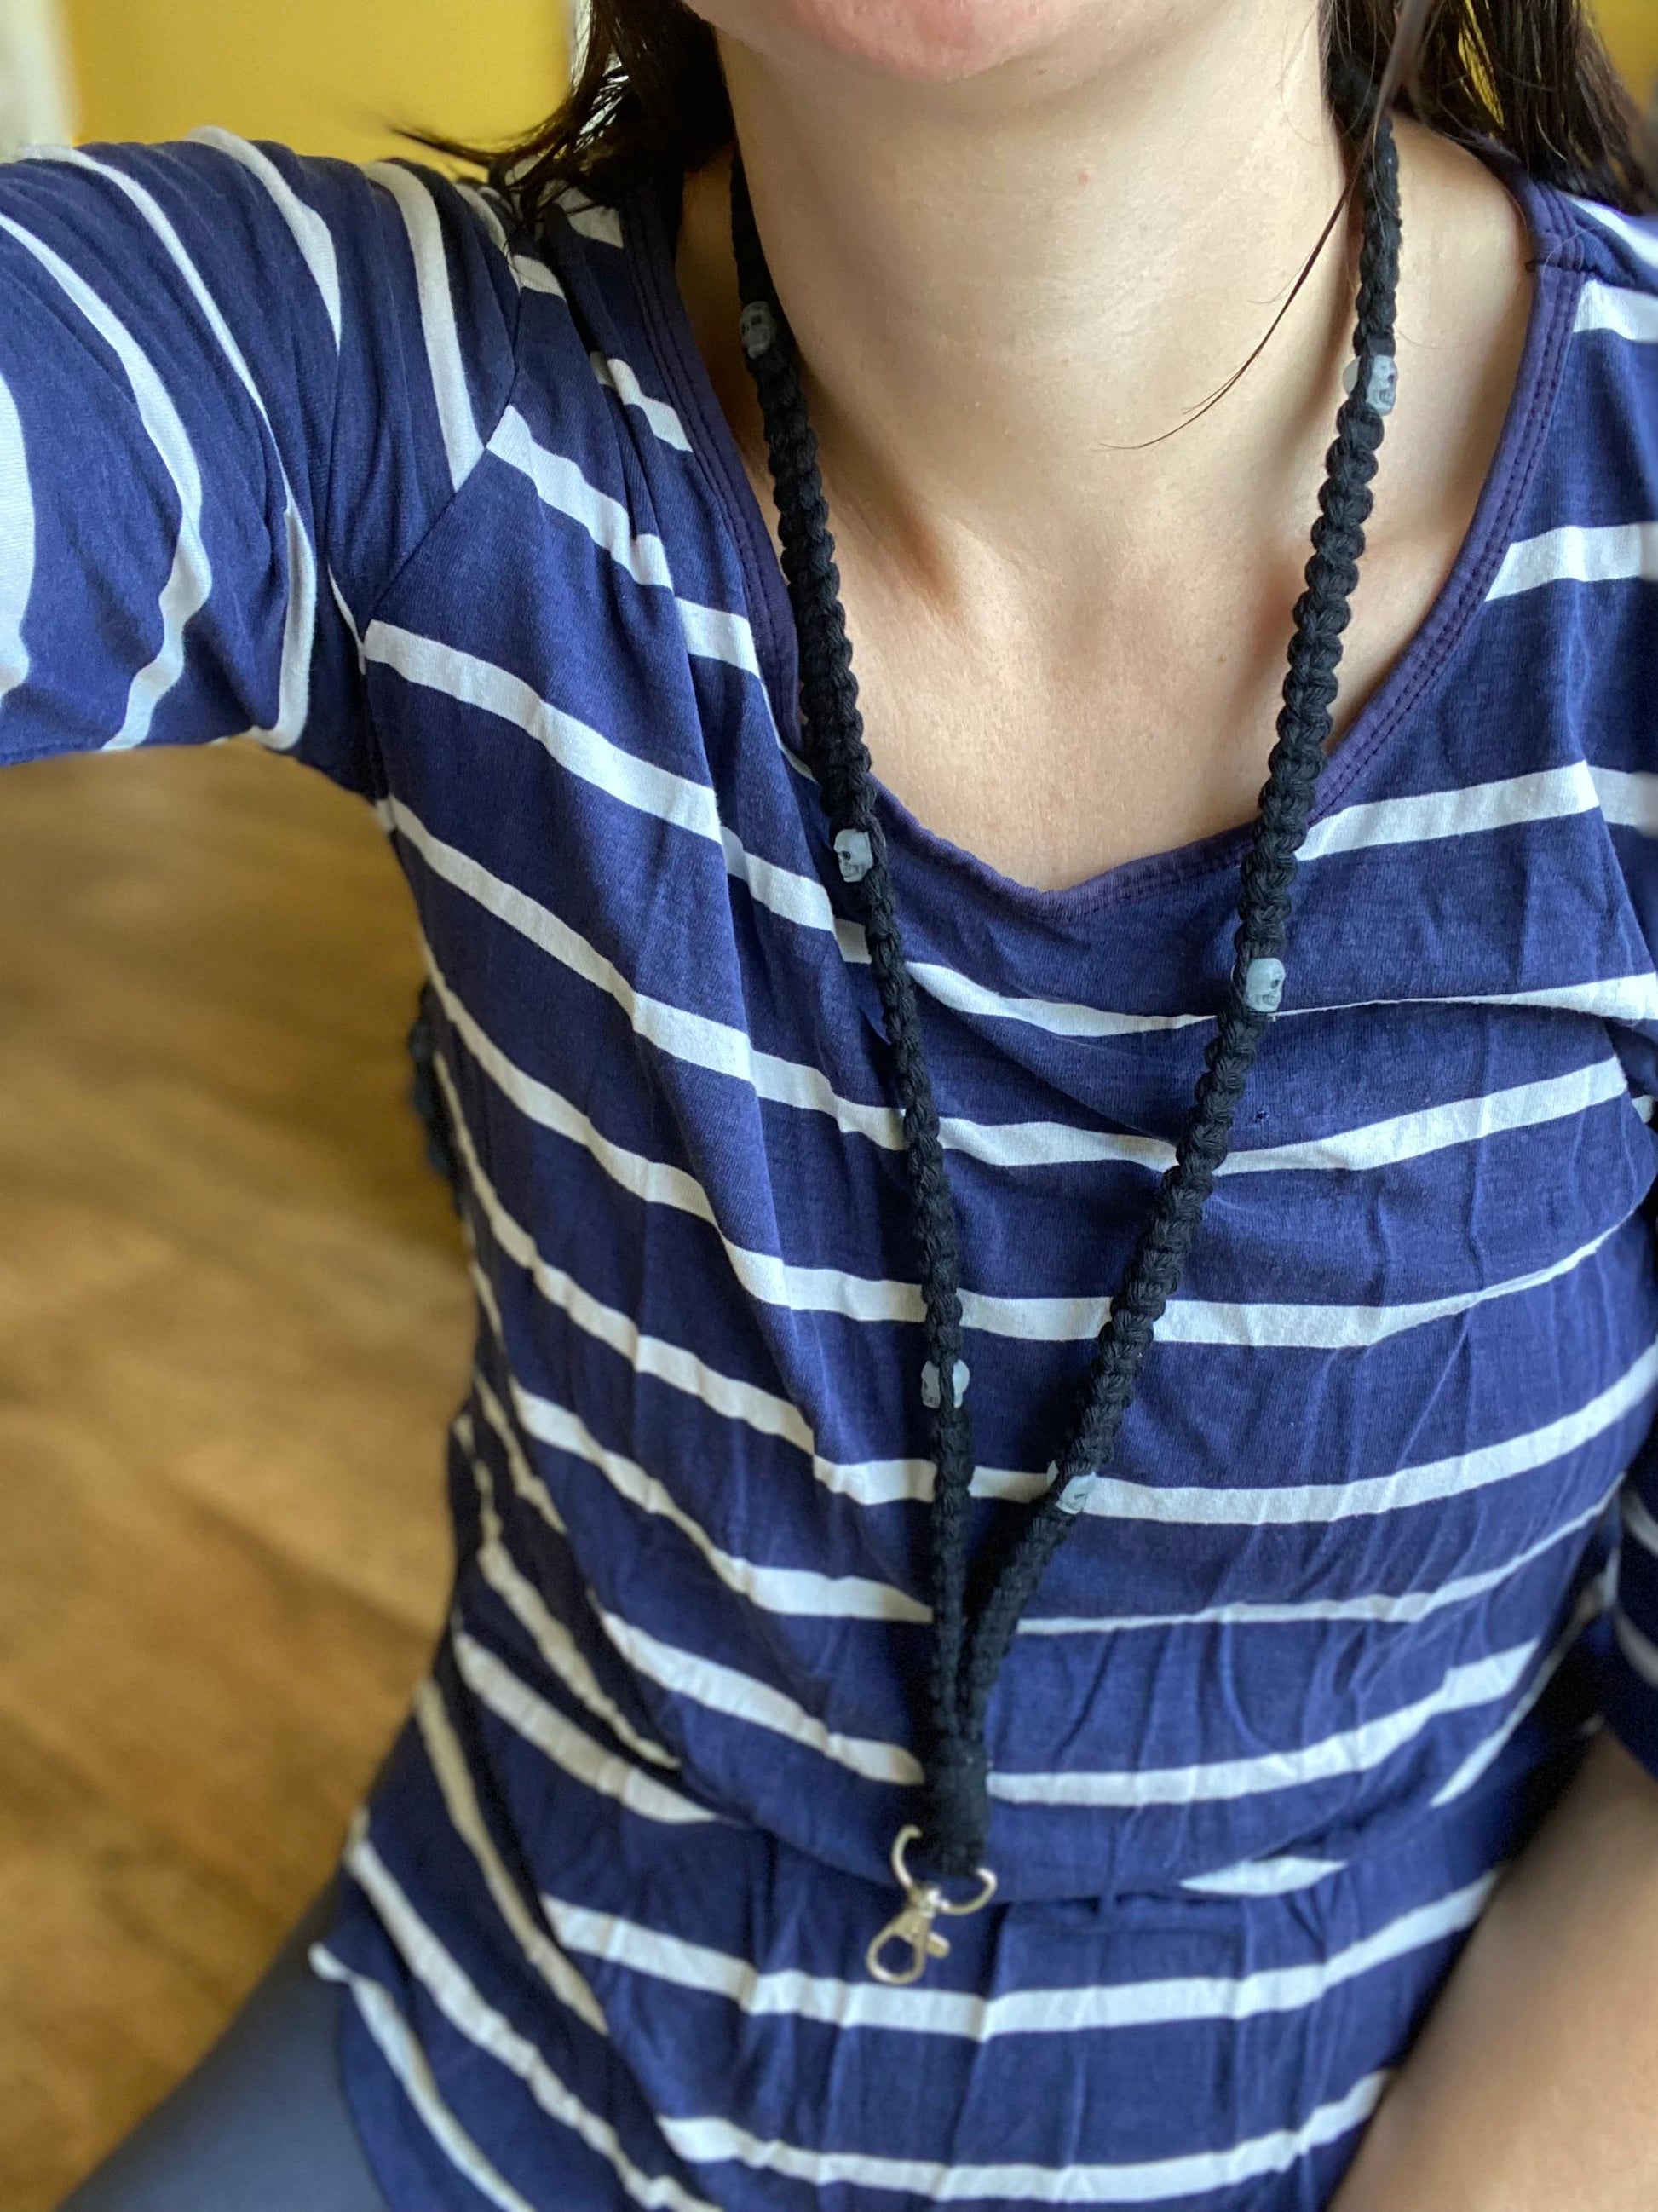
[
  {"x": 968, "y": 1656},
  {"x": 832, "y": 732},
  {"x": 1322, "y": 614}
]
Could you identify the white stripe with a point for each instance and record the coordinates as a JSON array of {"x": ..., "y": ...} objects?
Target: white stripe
[
  {"x": 1644, "y": 1104},
  {"x": 796, "y": 898},
  {"x": 725, "y": 1690},
  {"x": 482, "y": 1284},
  {"x": 1638, "y": 1522},
  {"x": 1629, "y": 799},
  {"x": 343, "y": 607},
  {"x": 560, "y": 484},
  {"x": 300, "y": 619},
  {"x": 484, "y": 208},
  {"x": 16, "y": 544},
  {"x": 525, "y": 1482},
  {"x": 801, "y": 899},
  {"x": 714, "y": 634},
  {"x": 1012, "y": 1144},
  {"x": 698, "y": 1040},
  {"x": 617, "y": 376},
  {"x": 1385, "y": 1607},
  {"x": 1376, "y": 1144},
  {"x": 475, "y": 682},
  {"x": 534, "y": 276},
  {"x": 310, "y": 233},
  {"x": 1348, "y": 1751},
  {"x": 708, "y": 2141},
  {"x": 728, "y": 1395},
  {"x": 190, "y": 578},
  {"x": 1591, "y": 1603},
  {"x": 1616, "y": 998},
  {"x": 739, "y": 1697},
  {"x": 1264, "y": 1324},
  {"x": 570, "y": 1748},
  {"x": 463, "y": 2006},
  {"x": 1632, "y": 998},
  {"x": 724, "y": 1049},
  {"x": 403, "y": 2054},
  {"x": 530, "y": 272},
  {"x": 867, "y": 1299},
  {"x": 692, "y": 806},
  {"x": 1057, "y": 1017},
  {"x": 449, "y": 1768},
  {"x": 869, "y": 1482},
  {"x": 795, "y": 1592},
  {"x": 1279, "y": 1877},
  {"x": 710, "y": 633},
  {"x": 1640, "y": 1650},
  {"x": 592, "y": 220},
  {"x": 772, "y": 1280},
  {"x": 461, "y": 442},
  {"x": 1640, "y": 237},
  {"x": 1602, "y": 554},
  {"x": 1548, "y": 794},
  {"x": 1614, "y": 308},
  {"x": 1436, "y": 1128},
  {"x": 1465, "y": 811},
  {"x": 552, "y": 1640},
  {"x": 650, "y": 1179},
  {"x": 1424, "y": 1484},
  {"x": 791, "y": 1994}
]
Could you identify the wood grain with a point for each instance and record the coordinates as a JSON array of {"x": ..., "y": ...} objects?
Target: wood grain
[{"x": 233, "y": 1324}]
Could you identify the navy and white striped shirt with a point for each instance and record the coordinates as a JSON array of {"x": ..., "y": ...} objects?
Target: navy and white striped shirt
[{"x": 334, "y": 459}]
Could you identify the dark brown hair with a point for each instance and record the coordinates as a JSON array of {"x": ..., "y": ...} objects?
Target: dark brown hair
[{"x": 1532, "y": 77}]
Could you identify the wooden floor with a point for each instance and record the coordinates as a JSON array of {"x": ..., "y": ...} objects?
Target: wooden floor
[{"x": 232, "y": 1325}]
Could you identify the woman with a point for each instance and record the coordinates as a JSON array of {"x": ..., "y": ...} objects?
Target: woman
[{"x": 1105, "y": 1832}]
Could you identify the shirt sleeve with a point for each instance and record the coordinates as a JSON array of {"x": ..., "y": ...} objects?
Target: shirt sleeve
[{"x": 237, "y": 389}]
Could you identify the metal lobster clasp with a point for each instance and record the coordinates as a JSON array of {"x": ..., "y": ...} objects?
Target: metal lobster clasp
[{"x": 912, "y": 1926}]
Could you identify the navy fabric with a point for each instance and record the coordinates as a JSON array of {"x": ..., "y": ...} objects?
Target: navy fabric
[
  {"x": 262, "y": 2124},
  {"x": 337, "y": 460}
]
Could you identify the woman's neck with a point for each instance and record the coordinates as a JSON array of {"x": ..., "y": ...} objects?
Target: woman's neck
[
  {"x": 998, "y": 284},
  {"x": 1070, "y": 650}
]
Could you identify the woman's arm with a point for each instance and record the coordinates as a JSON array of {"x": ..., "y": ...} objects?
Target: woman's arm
[{"x": 1532, "y": 2088}]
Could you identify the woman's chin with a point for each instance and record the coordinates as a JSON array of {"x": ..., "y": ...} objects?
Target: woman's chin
[{"x": 938, "y": 40}]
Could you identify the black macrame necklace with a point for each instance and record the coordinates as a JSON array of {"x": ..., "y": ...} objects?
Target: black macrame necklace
[{"x": 972, "y": 1631}]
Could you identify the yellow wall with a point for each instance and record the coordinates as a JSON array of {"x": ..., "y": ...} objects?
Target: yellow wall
[
  {"x": 1632, "y": 29},
  {"x": 328, "y": 76}
]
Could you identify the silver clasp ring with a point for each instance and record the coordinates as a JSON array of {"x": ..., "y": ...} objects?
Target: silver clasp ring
[{"x": 912, "y": 1926}]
